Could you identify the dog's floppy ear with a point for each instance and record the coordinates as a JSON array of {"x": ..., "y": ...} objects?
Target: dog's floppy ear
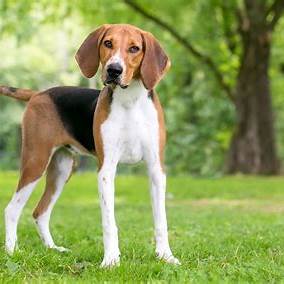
[
  {"x": 88, "y": 55},
  {"x": 155, "y": 62}
]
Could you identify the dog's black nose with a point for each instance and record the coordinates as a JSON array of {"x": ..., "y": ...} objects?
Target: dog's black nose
[{"x": 114, "y": 70}]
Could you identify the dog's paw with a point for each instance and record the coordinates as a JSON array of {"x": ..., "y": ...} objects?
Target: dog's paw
[
  {"x": 168, "y": 258},
  {"x": 110, "y": 260},
  {"x": 60, "y": 249},
  {"x": 10, "y": 248},
  {"x": 171, "y": 260}
]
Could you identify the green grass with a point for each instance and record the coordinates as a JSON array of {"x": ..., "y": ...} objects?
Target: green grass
[{"x": 223, "y": 230}]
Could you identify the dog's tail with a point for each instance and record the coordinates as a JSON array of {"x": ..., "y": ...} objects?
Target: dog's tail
[{"x": 19, "y": 94}]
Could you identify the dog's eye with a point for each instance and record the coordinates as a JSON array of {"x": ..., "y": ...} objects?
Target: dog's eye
[
  {"x": 108, "y": 43},
  {"x": 134, "y": 49}
]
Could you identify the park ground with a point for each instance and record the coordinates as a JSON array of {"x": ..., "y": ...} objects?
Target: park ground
[{"x": 223, "y": 230}]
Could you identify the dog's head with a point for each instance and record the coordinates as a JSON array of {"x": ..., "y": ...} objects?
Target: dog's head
[{"x": 125, "y": 53}]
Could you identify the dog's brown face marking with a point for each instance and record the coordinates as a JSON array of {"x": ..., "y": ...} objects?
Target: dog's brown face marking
[
  {"x": 125, "y": 53},
  {"x": 122, "y": 44}
]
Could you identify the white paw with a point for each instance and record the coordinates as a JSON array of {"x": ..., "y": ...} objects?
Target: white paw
[
  {"x": 168, "y": 258},
  {"x": 10, "y": 248},
  {"x": 60, "y": 249},
  {"x": 111, "y": 260}
]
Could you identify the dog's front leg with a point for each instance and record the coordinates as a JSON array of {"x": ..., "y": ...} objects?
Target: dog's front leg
[
  {"x": 158, "y": 191},
  {"x": 110, "y": 235}
]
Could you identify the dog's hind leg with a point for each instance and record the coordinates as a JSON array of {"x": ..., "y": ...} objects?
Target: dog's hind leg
[
  {"x": 42, "y": 133},
  {"x": 58, "y": 173},
  {"x": 34, "y": 164}
]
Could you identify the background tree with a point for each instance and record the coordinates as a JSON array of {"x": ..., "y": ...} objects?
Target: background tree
[{"x": 252, "y": 148}]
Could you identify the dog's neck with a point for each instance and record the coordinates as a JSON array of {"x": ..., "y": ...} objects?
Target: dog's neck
[{"x": 129, "y": 96}]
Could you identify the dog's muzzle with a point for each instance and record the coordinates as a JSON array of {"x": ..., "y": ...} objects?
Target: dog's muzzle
[{"x": 114, "y": 72}]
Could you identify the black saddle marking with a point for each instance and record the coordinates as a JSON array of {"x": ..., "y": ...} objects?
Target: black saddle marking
[{"x": 76, "y": 107}]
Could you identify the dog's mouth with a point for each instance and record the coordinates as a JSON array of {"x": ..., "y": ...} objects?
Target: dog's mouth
[{"x": 114, "y": 83}]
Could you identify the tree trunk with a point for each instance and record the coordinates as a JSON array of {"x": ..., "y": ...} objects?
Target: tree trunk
[{"x": 252, "y": 149}]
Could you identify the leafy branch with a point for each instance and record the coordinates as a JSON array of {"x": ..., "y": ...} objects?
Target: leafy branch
[
  {"x": 186, "y": 44},
  {"x": 276, "y": 10}
]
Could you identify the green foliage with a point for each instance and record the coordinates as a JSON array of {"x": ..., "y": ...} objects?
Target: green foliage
[
  {"x": 223, "y": 230},
  {"x": 39, "y": 40}
]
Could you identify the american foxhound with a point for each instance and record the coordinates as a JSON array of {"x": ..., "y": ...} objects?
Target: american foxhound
[{"x": 124, "y": 123}]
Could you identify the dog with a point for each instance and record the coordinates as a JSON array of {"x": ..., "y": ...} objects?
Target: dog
[{"x": 123, "y": 123}]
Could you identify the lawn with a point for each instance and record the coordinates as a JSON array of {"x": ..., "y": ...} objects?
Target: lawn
[{"x": 223, "y": 230}]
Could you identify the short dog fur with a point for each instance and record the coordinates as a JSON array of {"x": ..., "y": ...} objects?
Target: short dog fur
[{"x": 123, "y": 123}]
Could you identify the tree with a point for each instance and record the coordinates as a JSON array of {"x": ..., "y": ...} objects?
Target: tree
[{"x": 252, "y": 148}]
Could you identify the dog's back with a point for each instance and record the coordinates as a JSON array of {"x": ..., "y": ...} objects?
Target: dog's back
[{"x": 76, "y": 107}]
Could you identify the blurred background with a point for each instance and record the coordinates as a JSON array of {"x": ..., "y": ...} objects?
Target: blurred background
[{"x": 223, "y": 96}]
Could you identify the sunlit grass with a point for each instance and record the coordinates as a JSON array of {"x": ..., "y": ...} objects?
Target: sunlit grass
[{"x": 223, "y": 230}]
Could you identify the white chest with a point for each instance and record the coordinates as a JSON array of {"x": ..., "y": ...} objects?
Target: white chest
[{"x": 131, "y": 130}]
